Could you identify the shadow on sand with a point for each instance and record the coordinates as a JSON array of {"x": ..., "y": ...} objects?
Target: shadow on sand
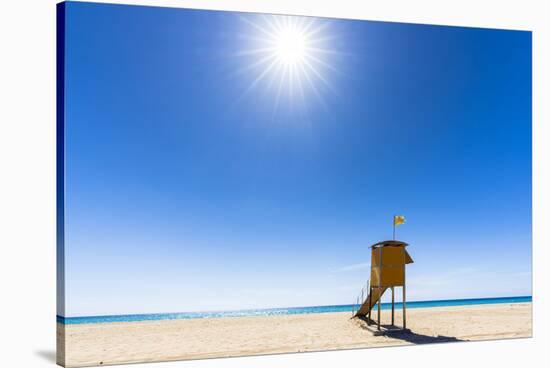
[
  {"x": 405, "y": 335},
  {"x": 414, "y": 338}
]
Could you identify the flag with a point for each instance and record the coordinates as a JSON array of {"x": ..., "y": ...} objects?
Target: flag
[{"x": 398, "y": 220}]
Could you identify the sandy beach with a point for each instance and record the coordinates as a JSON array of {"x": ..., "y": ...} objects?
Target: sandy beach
[{"x": 150, "y": 341}]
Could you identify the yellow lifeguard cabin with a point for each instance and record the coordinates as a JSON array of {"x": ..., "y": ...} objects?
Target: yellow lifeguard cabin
[{"x": 388, "y": 262}]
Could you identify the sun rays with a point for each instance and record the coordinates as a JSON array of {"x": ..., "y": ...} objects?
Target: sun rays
[{"x": 289, "y": 57}]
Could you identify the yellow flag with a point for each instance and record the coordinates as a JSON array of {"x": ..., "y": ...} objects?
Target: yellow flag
[{"x": 398, "y": 220}]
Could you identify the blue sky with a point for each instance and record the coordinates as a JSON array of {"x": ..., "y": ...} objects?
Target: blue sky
[{"x": 197, "y": 180}]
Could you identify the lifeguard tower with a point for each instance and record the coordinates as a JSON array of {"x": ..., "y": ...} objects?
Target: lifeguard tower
[{"x": 388, "y": 262}]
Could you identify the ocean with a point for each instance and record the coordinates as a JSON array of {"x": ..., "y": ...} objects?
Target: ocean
[{"x": 283, "y": 311}]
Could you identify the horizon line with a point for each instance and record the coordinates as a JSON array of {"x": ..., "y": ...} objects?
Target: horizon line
[{"x": 279, "y": 308}]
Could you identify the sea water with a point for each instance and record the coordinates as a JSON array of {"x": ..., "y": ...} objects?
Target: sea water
[{"x": 284, "y": 311}]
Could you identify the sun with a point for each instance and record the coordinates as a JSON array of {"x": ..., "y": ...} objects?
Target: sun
[
  {"x": 288, "y": 57},
  {"x": 290, "y": 46}
]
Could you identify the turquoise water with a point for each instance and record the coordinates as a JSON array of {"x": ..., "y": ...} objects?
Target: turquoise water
[{"x": 282, "y": 311}]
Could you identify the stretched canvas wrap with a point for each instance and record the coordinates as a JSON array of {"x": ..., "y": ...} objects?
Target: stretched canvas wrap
[{"x": 238, "y": 184}]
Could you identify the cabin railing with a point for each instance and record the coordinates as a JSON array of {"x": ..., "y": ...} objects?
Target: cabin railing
[{"x": 360, "y": 299}]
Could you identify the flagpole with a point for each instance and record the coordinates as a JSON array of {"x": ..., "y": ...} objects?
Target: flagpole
[{"x": 393, "y": 227}]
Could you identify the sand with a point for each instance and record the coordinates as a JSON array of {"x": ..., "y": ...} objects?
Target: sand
[{"x": 150, "y": 341}]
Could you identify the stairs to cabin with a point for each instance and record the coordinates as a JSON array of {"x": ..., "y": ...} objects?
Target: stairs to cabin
[{"x": 366, "y": 304}]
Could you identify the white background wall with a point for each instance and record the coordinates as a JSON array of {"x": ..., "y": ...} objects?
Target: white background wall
[{"x": 27, "y": 181}]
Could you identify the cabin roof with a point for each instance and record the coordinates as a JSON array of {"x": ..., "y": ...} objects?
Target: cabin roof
[{"x": 389, "y": 243}]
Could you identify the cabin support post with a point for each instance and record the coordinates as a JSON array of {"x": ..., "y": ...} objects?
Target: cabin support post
[
  {"x": 379, "y": 301},
  {"x": 392, "y": 305},
  {"x": 404, "y": 308},
  {"x": 370, "y": 306}
]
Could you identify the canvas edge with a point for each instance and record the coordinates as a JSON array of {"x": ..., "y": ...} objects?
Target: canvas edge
[{"x": 60, "y": 180}]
